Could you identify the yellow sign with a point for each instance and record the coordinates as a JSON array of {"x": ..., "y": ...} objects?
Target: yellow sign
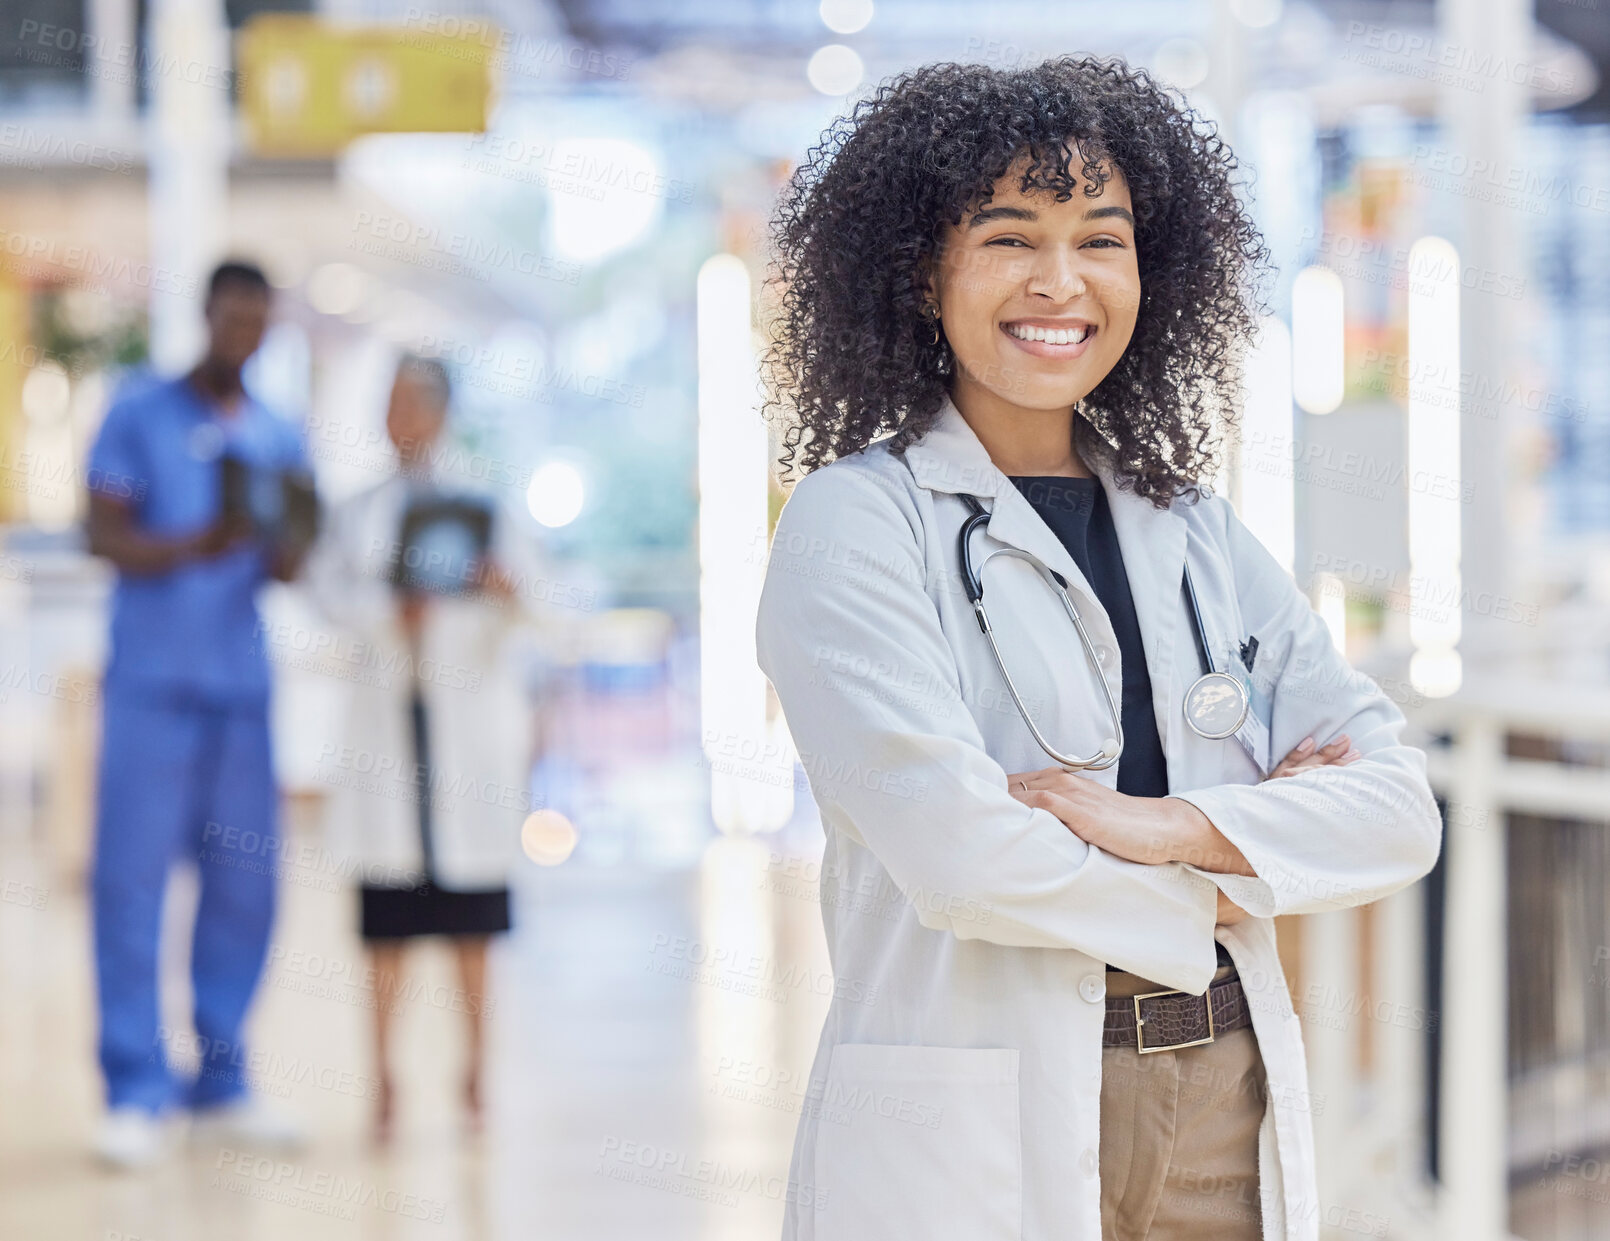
[{"x": 309, "y": 86}]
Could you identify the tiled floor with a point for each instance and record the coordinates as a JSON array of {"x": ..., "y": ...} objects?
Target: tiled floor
[
  {"x": 652, "y": 1021},
  {"x": 637, "y": 1086}
]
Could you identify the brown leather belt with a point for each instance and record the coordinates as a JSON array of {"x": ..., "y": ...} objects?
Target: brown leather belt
[{"x": 1168, "y": 1020}]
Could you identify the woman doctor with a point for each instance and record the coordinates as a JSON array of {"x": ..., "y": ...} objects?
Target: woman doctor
[
  {"x": 431, "y": 782},
  {"x": 1068, "y": 1020}
]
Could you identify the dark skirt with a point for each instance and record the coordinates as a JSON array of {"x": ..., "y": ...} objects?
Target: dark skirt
[
  {"x": 403, "y": 913},
  {"x": 425, "y": 909}
]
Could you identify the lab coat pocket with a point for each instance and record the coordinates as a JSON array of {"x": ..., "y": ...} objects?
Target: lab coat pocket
[{"x": 920, "y": 1142}]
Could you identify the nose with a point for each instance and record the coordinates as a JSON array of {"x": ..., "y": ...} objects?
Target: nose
[{"x": 1056, "y": 275}]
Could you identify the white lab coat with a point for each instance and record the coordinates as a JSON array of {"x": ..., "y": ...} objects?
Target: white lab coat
[
  {"x": 471, "y": 671},
  {"x": 956, "y": 1087}
]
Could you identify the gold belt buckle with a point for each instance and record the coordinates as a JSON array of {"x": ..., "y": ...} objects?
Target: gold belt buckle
[{"x": 1140, "y": 1022}]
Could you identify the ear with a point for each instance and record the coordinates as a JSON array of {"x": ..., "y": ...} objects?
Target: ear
[{"x": 926, "y": 281}]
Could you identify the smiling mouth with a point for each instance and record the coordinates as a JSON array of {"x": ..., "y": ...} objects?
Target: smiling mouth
[
  {"x": 1069, "y": 338},
  {"x": 1050, "y": 343}
]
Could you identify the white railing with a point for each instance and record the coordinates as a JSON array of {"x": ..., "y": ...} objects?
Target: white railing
[{"x": 1483, "y": 785}]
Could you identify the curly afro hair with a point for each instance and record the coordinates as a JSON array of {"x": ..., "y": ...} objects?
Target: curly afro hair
[{"x": 860, "y": 222}]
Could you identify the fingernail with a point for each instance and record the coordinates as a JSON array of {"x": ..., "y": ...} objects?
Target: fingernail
[
  {"x": 1307, "y": 745},
  {"x": 1351, "y": 755}
]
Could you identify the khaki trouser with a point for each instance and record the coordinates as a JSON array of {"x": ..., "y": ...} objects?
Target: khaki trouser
[{"x": 1179, "y": 1136}]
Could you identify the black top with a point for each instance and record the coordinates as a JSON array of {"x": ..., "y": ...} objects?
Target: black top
[
  {"x": 1076, "y": 509},
  {"x": 1077, "y": 512}
]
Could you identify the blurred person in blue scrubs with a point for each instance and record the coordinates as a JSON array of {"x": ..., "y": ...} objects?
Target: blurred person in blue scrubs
[{"x": 185, "y": 766}]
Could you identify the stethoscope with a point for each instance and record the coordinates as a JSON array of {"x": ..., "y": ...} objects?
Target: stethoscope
[{"x": 1215, "y": 706}]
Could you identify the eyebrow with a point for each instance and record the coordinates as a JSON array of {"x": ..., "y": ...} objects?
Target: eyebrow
[{"x": 989, "y": 214}]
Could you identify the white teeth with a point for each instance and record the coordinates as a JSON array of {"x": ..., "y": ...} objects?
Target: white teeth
[{"x": 1051, "y": 336}]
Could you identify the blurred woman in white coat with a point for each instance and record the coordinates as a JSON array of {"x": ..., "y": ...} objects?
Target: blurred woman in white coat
[
  {"x": 430, "y": 781},
  {"x": 1042, "y": 680}
]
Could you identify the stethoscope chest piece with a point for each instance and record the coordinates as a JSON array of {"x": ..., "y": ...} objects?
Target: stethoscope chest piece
[{"x": 1216, "y": 705}]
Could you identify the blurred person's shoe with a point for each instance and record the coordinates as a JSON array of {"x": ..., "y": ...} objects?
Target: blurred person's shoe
[
  {"x": 247, "y": 1121},
  {"x": 131, "y": 1137}
]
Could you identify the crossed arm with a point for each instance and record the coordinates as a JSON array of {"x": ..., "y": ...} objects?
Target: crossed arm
[
  {"x": 1355, "y": 820},
  {"x": 868, "y": 681},
  {"x": 1154, "y": 830}
]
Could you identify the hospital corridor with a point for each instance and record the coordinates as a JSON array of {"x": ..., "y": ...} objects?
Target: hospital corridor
[{"x": 804, "y": 620}]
